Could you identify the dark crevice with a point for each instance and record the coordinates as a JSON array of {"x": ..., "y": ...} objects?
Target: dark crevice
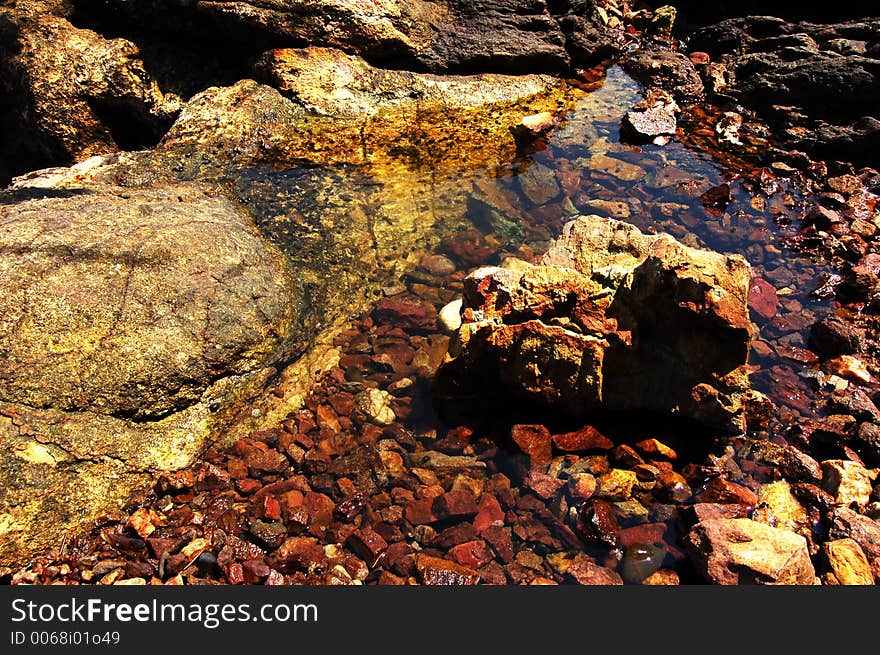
[{"x": 130, "y": 129}]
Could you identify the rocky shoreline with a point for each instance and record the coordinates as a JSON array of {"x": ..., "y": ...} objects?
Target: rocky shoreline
[{"x": 377, "y": 406}]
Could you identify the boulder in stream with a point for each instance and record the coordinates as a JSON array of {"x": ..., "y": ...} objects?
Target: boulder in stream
[{"x": 610, "y": 318}]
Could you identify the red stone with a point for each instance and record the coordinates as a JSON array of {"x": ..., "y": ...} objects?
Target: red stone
[
  {"x": 709, "y": 511},
  {"x": 762, "y": 298},
  {"x": 490, "y": 513},
  {"x": 501, "y": 542},
  {"x": 367, "y": 544},
  {"x": 473, "y": 554},
  {"x": 419, "y": 512},
  {"x": 234, "y": 573},
  {"x": 645, "y": 533},
  {"x": 542, "y": 484},
  {"x": 721, "y": 490},
  {"x": 247, "y": 486},
  {"x": 437, "y": 571},
  {"x": 587, "y": 438},
  {"x": 406, "y": 311},
  {"x": 534, "y": 441},
  {"x": 298, "y": 553},
  {"x": 455, "y": 503},
  {"x": 586, "y": 572},
  {"x": 268, "y": 507}
]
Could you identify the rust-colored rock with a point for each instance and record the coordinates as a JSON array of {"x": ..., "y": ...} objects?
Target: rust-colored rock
[
  {"x": 610, "y": 318},
  {"x": 438, "y": 571},
  {"x": 587, "y": 438},
  {"x": 534, "y": 441}
]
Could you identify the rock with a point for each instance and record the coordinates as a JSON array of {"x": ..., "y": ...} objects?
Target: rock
[
  {"x": 653, "y": 117},
  {"x": 759, "y": 410},
  {"x": 538, "y": 183},
  {"x": 846, "y": 523},
  {"x": 437, "y": 265},
  {"x": 269, "y": 532},
  {"x": 585, "y": 572},
  {"x": 617, "y": 484},
  {"x": 127, "y": 316},
  {"x": 849, "y": 482},
  {"x": 83, "y": 96},
  {"x": 869, "y": 439},
  {"x": 437, "y": 571},
  {"x": 741, "y": 551},
  {"x": 847, "y": 562},
  {"x": 662, "y": 68},
  {"x": 368, "y": 545},
  {"x": 763, "y": 299},
  {"x": 450, "y": 316},
  {"x": 777, "y": 66},
  {"x": 850, "y": 368},
  {"x": 534, "y": 441},
  {"x": 472, "y": 554},
  {"x": 298, "y": 553},
  {"x": 617, "y": 167},
  {"x": 779, "y": 508},
  {"x": 470, "y": 35},
  {"x": 832, "y": 337},
  {"x": 586, "y": 327},
  {"x": 582, "y": 486},
  {"x": 375, "y": 405},
  {"x": 587, "y": 438},
  {"x": 720, "y": 490}
]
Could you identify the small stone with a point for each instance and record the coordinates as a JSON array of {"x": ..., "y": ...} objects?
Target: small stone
[
  {"x": 586, "y": 572},
  {"x": 614, "y": 208},
  {"x": 847, "y": 562},
  {"x": 298, "y": 553},
  {"x": 375, "y": 404},
  {"x": 846, "y": 523},
  {"x": 534, "y": 441},
  {"x": 672, "y": 486},
  {"x": 405, "y": 311},
  {"x": 587, "y": 438},
  {"x": 851, "y": 368},
  {"x": 437, "y": 571},
  {"x": 600, "y": 524},
  {"x": 582, "y": 486},
  {"x": 455, "y": 504},
  {"x": 741, "y": 551},
  {"x": 653, "y": 117},
  {"x": 472, "y": 554},
  {"x": 654, "y": 448},
  {"x": 832, "y": 337},
  {"x": 617, "y": 484},
  {"x": 367, "y": 544},
  {"x": 763, "y": 299},
  {"x": 542, "y": 484},
  {"x": 539, "y": 123},
  {"x": 663, "y": 577},
  {"x": 849, "y": 482},
  {"x": 489, "y": 513},
  {"x": 616, "y": 167},
  {"x": 783, "y": 509},
  {"x": 437, "y": 265},
  {"x": 270, "y": 533},
  {"x": 721, "y": 490},
  {"x": 450, "y": 316}
]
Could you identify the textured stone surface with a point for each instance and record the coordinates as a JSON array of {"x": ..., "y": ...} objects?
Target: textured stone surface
[
  {"x": 741, "y": 551},
  {"x": 611, "y": 318},
  {"x": 847, "y": 562},
  {"x": 85, "y": 95}
]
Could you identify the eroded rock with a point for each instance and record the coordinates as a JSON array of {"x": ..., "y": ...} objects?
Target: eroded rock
[{"x": 610, "y": 318}]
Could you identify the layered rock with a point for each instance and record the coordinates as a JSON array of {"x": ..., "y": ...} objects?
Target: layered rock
[
  {"x": 816, "y": 82},
  {"x": 610, "y": 318},
  {"x": 471, "y": 36}
]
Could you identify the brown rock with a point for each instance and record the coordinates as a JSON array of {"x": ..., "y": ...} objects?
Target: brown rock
[
  {"x": 437, "y": 571},
  {"x": 847, "y": 562},
  {"x": 559, "y": 355},
  {"x": 534, "y": 441},
  {"x": 586, "y": 572},
  {"x": 721, "y": 490},
  {"x": 455, "y": 504},
  {"x": 499, "y": 538},
  {"x": 587, "y": 438},
  {"x": 849, "y": 482},
  {"x": 298, "y": 553},
  {"x": 740, "y": 551},
  {"x": 473, "y": 554},
  {"x": 762, "y": 298},
  {"x": 582, "y": 486},
  {"x": 367, "y": 544},
  {"x": 653, "y": 449},
  {"x": 846, "y": 523}
]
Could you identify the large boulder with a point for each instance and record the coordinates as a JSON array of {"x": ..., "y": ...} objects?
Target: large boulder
[
  {"x": 610, "y": 318},
  {"x": 742, "y": 551},
  {"x": 132, "y": 318},
  {"x": 439, "y": 36}
]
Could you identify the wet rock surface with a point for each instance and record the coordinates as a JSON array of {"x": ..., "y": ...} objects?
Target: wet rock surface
[
  {"x": 612, "y": 319},
  {"x": 815, "y": 81},
  {"x": 337, "y": 470}
]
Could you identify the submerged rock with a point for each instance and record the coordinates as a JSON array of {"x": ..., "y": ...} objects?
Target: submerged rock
[
  {"x": 610, "y": 318},
  {"x": 741, "y": 551}
]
